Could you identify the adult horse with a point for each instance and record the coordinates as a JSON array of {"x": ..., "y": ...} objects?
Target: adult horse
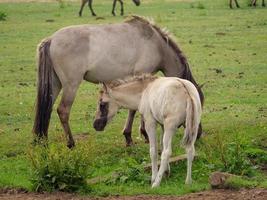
[
  {"x": 101, "y": 53},
  {"x": 137, "y": 3}
]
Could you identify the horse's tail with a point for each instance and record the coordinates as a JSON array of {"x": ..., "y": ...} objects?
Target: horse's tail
[
  {"x": 44, "y": 100},
  {"x": 193, "y": 113}
]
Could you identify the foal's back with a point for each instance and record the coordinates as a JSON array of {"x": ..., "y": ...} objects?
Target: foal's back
[{"x": 168, "y": 97}]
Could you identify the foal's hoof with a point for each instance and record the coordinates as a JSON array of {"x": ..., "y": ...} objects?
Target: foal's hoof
[{"x": 155, "y": 185}]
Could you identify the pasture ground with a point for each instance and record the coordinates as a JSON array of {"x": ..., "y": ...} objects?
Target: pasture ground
[{"x": 226, "y": 50}]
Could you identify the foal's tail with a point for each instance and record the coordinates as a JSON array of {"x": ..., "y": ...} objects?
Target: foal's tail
[
  {"x": 44, "y": 100},
  {"x": 193, "y": 113}
]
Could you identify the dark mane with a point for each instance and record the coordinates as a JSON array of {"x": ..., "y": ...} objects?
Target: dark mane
[
  {"x": 130, "y": 79},
  {"x": 187, "y": 74}
]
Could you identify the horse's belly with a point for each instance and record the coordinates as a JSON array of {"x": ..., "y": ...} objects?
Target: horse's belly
[{"x": 105, "y": 73}]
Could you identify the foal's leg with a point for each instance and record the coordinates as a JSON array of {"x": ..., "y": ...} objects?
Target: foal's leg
[
  {"x": 90, "y": 7},
  {"x": 127, "y": 131},
  {"x": 63, "y": 110},
  {"x": 82, "y": 5},
  {"x": 168, "y": 171},
  {"x": 190, "y": 157},
  {"x": 263, "y": 3},
  {"x": 166, "y": 153},
  {"x": 151, "y": 126},
  {"x": 122, "y": 11},
  {"x": 113, "y": 8}
]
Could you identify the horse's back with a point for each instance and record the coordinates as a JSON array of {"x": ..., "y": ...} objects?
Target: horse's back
[{"x": 103, "y": 52}]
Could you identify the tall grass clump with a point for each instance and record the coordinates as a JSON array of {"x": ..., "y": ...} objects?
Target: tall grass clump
[
  {"x": 3, "y": 16},
  {"x": 58, "y": 168},
  {"x": 228, "y": 155}
]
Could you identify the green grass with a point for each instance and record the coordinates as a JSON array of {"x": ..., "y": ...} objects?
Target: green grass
[{"x": 211, "y": 36}]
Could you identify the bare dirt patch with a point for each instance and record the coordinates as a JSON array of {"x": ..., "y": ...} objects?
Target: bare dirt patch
[{"x": 243, "y": 194}]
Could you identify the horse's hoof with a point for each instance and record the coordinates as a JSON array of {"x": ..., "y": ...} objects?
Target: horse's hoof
[
  {"x": 113, "y": 14},
  {"x": 155, "y": 185},
  {"x": 94, "y": 15},
  {"x": 71, "y": 144}
]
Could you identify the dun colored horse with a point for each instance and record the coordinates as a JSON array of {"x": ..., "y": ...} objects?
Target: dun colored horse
[
  {"x": 170, "y": 102},
  {"x": 252, "y": 3},
  {"x": 101, "y": 53},
  {"x": 83, "y": 2}
]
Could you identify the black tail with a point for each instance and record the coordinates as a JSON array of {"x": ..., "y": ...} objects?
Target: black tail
[{"x": 44, "y": 101}]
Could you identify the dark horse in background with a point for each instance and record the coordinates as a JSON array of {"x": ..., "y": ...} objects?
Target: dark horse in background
[
  {"x": 101, "y": 53},
  {"x": 90, "y": 2},
  {"x": 252, "y": 3}
]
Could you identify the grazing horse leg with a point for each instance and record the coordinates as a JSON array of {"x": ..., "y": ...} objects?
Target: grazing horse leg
[
  {"x": 90, "y": 7},
  {"x": 113, "y": 8},
  {"x": 81, "y": 9},
  {"x": 263, "y": 3},
  {"x": 169, "y": 130},
  {"x": 63, "y": 111},
  {"x": 143, "y": 130},
  {"x": 151, "y": 130},
  {"x": 122, "y": 10},
  {"x": 127, "y": 131}
]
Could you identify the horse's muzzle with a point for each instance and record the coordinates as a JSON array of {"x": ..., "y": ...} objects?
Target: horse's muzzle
[
  {"x": 100, "y": 124},
  {"x": 137, "y": 3}
]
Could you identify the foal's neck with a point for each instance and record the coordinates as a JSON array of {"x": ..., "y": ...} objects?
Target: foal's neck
[{"x": 129, "y": 95}]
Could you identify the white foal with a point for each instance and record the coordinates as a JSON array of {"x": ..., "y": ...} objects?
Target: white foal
[{"x": 170, "y": 102}]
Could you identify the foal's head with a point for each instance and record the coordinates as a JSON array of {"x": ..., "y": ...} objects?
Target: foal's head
[
  {"x": 137, "y": 2},
  {"x": 106, "y": 109}
]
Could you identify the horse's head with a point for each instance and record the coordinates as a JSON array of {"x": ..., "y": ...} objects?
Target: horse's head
[
  {"x": 106, "y": 109},
  {"x": 137, "y": 2}
]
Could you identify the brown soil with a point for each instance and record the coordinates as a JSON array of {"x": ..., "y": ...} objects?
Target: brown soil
[{"x": 243, "y": 194}]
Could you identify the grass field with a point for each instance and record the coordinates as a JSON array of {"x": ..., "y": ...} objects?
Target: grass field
[{"x": 226, "y": 49}]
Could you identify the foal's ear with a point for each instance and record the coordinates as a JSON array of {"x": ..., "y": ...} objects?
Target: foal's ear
[{"x": 105, "y": 87}]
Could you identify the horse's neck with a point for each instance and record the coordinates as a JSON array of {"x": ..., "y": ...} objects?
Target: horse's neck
[{"x": 172, "y": 64}]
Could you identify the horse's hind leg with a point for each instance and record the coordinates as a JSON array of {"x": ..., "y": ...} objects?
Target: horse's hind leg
[
  {"x": 90, "y": 2},
  {"x": 63, "y": 110},
  {"x": 169, "y": 130},
  {"x": 122, "y": 10},
  {"x": 236, "y": 3},
  {"x": 190, "y": 157},
  {"x": 113, "y": 7},
  {"x": 263, "y": 3},
  {"x": 142, "y": 130}
]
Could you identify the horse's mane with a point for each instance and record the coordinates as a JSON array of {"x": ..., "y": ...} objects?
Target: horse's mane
[
  {"x": 171, "y": 42},
  {"x": 130, "y": 79},
  {"x": 166, "y": 36}
]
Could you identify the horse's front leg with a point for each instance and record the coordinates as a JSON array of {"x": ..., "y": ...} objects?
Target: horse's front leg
[
  {"x": 151, "y": 126},
  {"x": 90, "y": 2},
  {"x": 127, "y": 131}
]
